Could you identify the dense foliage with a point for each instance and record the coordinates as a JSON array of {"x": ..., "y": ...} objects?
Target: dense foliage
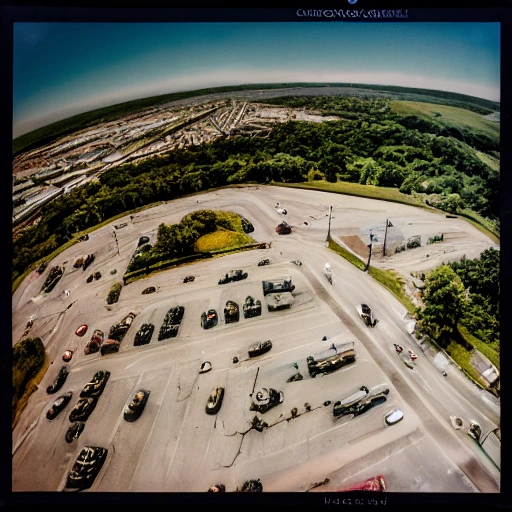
[
  {"x": 179, "y": 240},
  {"x": 370, "y": 144},
  {"x": 463, "y": 293},
  {"x": 28, "y": 359}
]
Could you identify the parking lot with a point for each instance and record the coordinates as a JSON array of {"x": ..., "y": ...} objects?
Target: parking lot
[{"x": 175, "y": 446}]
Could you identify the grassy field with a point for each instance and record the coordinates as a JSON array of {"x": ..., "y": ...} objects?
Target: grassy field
[
  {"x": 447, "y": 116},
  {"x": 355, "y": 189},
  {"x": 387, "y": 278},
  {"x": 222, "y": 239}
]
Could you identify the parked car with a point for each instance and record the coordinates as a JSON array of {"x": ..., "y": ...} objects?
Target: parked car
[
  {"x": 350, "y": 400},
  {"x": 234, "y": 275},
  {"x": 109, "y": 346},
  {"x": 214, "y": 401},
  {"x": 265, "y": 399},
  {"x": 231, "y": 312},
  {"x": 374, "y": 483},
  {"x": 209, "y": 319},
  {"x": 360, "y": 406},
  {"x": 133, "y": 409},
  {"x": 86, "y": 467},
  {"x": 59, "y": 380},
  {"x": 143, "y": 335},
  {"x": 68, "y": 354},
  {"x": 81, "y": 330},
  {"x": 119, "y": 329},
  {"x": 74, "y": 431},
  {"x": 58, "y": 405},
  {"x": 83, "y": 408},
  {"x": 393, "y": 417},
  {"x": 251, "y": 307},
  {"x": 259, "y": 347},
  {"x": 94, "y": 343},
  {"x": 205, "y": 367},
  {"x": 252, "y": 486},
  {"x": 247, "y": 225},
  {"x": 337, "y": 356},
  {"x": 143, "y": 240},
  {"x": 95, "y": 387},
  {"x": 283, "y": 229},
  {"x": 171, "y": 323}
]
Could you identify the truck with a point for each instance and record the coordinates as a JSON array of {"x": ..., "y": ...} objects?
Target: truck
[
  {"x": 332, "y": 359},
  {"x": 278, "y": 286}
]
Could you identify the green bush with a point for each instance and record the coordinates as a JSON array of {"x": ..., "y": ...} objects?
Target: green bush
[{"x": 113, "y": 294}]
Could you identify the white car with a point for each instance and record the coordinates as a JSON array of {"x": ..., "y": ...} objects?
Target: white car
[
  {"x": 394, "y": 416},
  {"x": 282, "y": 211}
]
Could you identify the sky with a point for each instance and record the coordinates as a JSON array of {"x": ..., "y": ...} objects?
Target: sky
[{"x": 64, "y": 68}]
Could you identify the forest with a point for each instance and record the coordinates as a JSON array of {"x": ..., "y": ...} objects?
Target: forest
[
  {"x": 453, "y": 166},
  {"x": 464, "y": 297}
]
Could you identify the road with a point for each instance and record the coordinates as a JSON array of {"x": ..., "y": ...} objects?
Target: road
[{"x": 175, "y": 446}]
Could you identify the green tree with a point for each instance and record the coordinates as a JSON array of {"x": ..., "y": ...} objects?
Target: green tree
[{"x": 445, "y": 304}]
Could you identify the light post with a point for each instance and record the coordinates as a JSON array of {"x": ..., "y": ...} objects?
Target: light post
[
  {"x": 329, "y": 228},
  {"x": 366, "y": 268}
]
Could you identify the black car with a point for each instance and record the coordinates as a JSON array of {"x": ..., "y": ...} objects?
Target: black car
[
  {"x": 83, "y": 409},
  {"x": 58, "y": 405},
  {"x": 264, "y": 262},
  {"x": 143, "y": 335},
  {"x": 215, "y": 401},
  {"x": 171, "y": 323},
  {"x": 95, "y": 387},
  {"x": 265, "y": 399},
  {"x": 86, "y": 467},
  {"x": 259, "y": 347},
  {"x": 133, "y": 409},
  {"x": 363, "y": 405},
  {"x": 188, "y": 279},
  {"x": 74, "y": 431},
  {"x": 59, "y": 380},
  {"x": 234, "y": 275},
  {"x": 109, "y": 347},
  {"x": 209, "y": 319}
]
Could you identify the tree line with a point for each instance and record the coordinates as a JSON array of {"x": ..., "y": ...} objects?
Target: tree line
[{"x": 370, "y": 145}]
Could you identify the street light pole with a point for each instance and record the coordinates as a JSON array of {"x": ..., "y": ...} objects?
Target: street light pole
[
  {"x": 329, "y": 229},
  {"x": 370, "y": 253}
]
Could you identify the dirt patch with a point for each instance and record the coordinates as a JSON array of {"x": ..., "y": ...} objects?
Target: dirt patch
[{"x": 356, "y": 245}]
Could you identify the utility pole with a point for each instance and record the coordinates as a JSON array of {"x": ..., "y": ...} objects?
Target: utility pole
[
  {"x": 388, "y": 225},
  {"x": 329, "y": 229},
  {"x": 385, "y": 235},
  {"x": 370, "y": 253}
]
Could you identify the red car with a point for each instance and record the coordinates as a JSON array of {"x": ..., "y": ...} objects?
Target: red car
[
  {"x": 81, "y": 330},
  {"x": 376, "y": 483},
  {"x": 68, "y": 354},
  {"x": 412, "y": 355}
]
